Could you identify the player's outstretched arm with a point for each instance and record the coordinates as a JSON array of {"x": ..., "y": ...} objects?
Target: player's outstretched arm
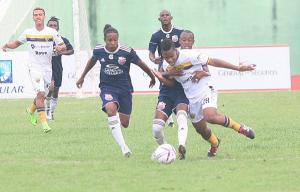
[
  {"x": 160, "y": 76},
  {"x": 197, "y": 75},
  {"x": 147, "y": 70},
  {"x": 90, "y": 64},
  {"x": 11, "y": 45},
  {"x": 224, "y": 64}
]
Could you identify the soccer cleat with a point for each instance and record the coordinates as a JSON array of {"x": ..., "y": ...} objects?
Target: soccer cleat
[
  {"x": 32, "y": 117},
  {"x": 247, "y": 131},
  {"x": 46, "y": 128},
  {"x": 50, "y": 116},
  {"x": 128, "y": 154},
  {"x": 171, "y": 124},
  {"x": 126, "y": 151},
  {"x": 181, "y": 152},
  {"x": 213, "y": 150}
]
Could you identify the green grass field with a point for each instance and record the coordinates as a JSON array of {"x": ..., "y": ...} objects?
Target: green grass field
[{"x": 81, "y": 155}]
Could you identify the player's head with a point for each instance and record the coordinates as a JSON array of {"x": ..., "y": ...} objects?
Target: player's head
[
  {"x": 186, "y": 39},
  {"x": 111, "y": 36},
  {"x": 53, "y": 23},
  {"x": 38, "y": 14},
  {"x": 165, "y": 17},
  {"x": 169, "y": 52}
]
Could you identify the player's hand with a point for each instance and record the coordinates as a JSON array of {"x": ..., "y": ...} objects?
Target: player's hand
[
  {"x": 197, "y": 75},
  {"x": 172, "y": 71},
  {"x": 152, "y": 83},
  {"x": 57, "y": 50},
  {"x": 79, "y": 82},
  {"x": 4, "y": 48},
  {"x": 246, "y": 67},
  {"x": 157, "y": 60}
]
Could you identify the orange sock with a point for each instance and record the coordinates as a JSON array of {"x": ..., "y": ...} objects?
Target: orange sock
[
  {"x": 213, "y": 140},
  {"x": 232, "y": 124},
  {"x": 42, "y": 115},
  {"x": 32, "y": 108}
]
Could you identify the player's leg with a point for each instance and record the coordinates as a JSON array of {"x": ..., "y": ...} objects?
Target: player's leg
[
  {"x": 207, "y": 134},
  {"x": 163, "y": 110},
  {"x": 53, "y": 102},
  {"x": 47, "y": 103},
  {"x": 40, "y": 98},
  {"x": 110, "y": 106},
  {"x": 57, "y": 72},
  {"x": 40, "y": 82},
  {"x": 211, "y": 115},
  {"x": 158, "y": 125},
  {"x": 31, "y": 113},
  {"x": 181, "y": 114},
  {"x": 200, "y": 125}
]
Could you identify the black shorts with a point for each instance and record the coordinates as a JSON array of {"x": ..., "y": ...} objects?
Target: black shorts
[{"x": 57, "y": 72}]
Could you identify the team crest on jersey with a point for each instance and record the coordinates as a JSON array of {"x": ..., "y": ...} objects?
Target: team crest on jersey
[
  {"x": 108, "y": 97},
  {"x": 174, "y": 38},
  {"x": 122, "y": 60},
  {"x": 111, "y": 56},
  {"x": 161, "y": 106},
  {"x": 167, "y": 35}
]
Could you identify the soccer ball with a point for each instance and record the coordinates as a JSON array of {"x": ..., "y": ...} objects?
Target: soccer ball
[{"x": 164, "y": 154}]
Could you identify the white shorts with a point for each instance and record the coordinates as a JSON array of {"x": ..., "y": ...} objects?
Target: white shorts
[
  {"x": 40, "y": 80},
  {"x": 209, "y": 99}
]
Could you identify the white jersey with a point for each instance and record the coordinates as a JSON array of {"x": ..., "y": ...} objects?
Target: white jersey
[
  {"x": 40, "y": 46},
  {"x": 190, "y": 61}
]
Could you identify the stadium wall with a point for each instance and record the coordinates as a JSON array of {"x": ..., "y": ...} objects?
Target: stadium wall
[{"x": 215, "y": 23}]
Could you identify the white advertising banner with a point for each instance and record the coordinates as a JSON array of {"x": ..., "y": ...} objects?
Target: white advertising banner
[{"x": 272, "y": 72}]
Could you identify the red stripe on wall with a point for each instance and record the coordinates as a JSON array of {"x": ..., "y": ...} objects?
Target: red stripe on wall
[{"x": 295, "y": 82}]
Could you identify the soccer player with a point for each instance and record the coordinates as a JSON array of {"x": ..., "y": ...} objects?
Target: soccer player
[
  {"x": 57, "y": 70},
  {"x": 175, "y": 100},
  {"x": 167, "y": 30},
  {"x": 115, "y": 82},
  {"x": 40, "y": 41},
  {"x": 200, "y": 92}
]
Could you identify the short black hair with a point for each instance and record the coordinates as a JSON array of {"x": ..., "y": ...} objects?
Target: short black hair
[
  {"x": 53, "y": 18},
  {"x": 188, "y": 31},
  {"x": 167, "y": 44},
  {"x": 109, "y": 29}
]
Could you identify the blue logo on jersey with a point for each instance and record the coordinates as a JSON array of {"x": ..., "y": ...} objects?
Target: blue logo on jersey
[{"x": 6, "y": 75}]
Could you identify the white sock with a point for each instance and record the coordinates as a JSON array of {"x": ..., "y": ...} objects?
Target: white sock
[
  {"x": 115, "y": 126},
  {"x": 182, "y": 127},
  {"x": 53, "y": 104},
  {"x": 157, "y": 129}
]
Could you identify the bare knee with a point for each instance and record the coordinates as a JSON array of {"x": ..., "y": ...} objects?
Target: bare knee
[
  {"x": 111, "y": 109},
  {"x": 211, "y": 118},
  {"x": 125, "y": 124},
  {"x": 39, "y": 100}
]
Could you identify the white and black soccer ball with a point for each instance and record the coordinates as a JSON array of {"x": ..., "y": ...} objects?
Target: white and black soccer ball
[{"x": 164, "y": 154}]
